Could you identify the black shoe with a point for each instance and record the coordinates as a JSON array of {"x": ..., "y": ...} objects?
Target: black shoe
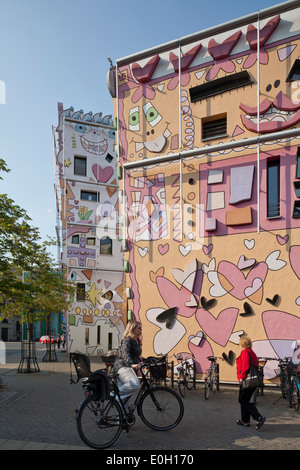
[
  {"x": 125, "y": 427},
  {"x": 240, "y": 423},
  {"x": 260, "y": 422}
]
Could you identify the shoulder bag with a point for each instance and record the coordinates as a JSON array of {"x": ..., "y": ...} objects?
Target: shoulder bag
[{"x": 254, "y": 377}]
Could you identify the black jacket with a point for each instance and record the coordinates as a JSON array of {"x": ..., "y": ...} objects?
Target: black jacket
[{"x": 129, "y": 353}]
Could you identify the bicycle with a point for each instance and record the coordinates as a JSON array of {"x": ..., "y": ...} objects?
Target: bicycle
[
  {"x": 185, "y": 372},
  {"x": 285, "y": 380},
  {"x": 295, "y": 387},
  {"x": 261, "y": 364},
  {"x": 102, "y": 414},
  {"x": 211, "y": 381}
]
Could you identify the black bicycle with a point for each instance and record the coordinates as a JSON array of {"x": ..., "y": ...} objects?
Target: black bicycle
[
  {"x": 211, "y": 381},
  {"x": 102, "y": 414},
  {"x": 261, "y": 364},
  {"x": 185, "y": 370}
]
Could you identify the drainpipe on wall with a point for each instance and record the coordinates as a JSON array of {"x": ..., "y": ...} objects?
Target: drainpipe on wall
[
  {"x": 258, "y": 122},
  {"x": 180, "y": 139},
  {"x": 118, "y": 127}
]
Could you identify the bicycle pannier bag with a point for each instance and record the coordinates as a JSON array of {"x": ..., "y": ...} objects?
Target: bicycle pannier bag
[{"x": 254, "y": 377}]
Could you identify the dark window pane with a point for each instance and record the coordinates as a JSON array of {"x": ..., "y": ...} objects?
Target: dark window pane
[
  {"x": 89, "y": 196},
  {"x": 273, "y": 189},
  {"x": 80, "y": 166}
]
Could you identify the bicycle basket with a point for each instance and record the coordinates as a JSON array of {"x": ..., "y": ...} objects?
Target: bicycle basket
[
  {"x": 99, "y": 383},
  {"x": 157, "y": 367},
  {"x": 109, "y": 359}
]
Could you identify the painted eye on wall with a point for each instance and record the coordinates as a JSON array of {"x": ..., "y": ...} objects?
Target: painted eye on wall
[
  {"x": 152, "y": 115},
  {"x": 82, "y": 128},
  {"x": 134, "y": 119}
]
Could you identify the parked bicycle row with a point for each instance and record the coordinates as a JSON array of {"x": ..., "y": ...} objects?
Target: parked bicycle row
[{"x": 105, "y": 410}]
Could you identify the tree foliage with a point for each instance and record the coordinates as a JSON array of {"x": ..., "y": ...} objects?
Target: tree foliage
[{"x": 31, "y": 284}]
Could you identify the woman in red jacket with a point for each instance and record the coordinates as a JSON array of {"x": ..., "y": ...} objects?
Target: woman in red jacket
[{"x": 243, "y": 365}]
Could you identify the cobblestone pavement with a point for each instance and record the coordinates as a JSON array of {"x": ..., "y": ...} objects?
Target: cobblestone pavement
[{"x": 37, "y": 412}]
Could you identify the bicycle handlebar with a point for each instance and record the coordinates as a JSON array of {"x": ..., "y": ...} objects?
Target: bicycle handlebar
[{"x": 214, "y": 358}]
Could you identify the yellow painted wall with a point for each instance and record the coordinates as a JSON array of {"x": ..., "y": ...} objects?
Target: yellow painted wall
[{"x": 236, "y": 278}]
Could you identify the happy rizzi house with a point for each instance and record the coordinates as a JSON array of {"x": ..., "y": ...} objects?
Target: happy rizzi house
[
  {"x": 90, "y": 249},
  {"x": 208, "y": 148}
]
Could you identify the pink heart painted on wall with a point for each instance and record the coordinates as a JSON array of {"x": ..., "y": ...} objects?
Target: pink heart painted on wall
[
  {"x": 207, "y": 249},
  {"x": 173, "y": 296},
  {"x": 295, "y": 259},
  {"x": 281, "y": 325},
  {"x": 102, "y": 175},
  {"x": 234, "y": 281},
  {"x": 201, "y": 349},
  {"x": 282, "y": 240},
  {"x": 218, "y": 329},
  {"x": 163, "y": 249}
]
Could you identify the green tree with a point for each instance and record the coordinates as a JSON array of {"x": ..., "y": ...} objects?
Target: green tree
[{"x": 31, "y": 284}]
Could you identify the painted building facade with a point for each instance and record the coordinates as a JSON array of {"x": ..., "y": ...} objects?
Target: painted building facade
[
  {"x": 208, "y": 141},
  {"x": 86, "y": 191}
]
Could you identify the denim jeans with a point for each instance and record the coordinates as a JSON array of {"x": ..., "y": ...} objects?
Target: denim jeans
[{"x": 128, "y": 382}]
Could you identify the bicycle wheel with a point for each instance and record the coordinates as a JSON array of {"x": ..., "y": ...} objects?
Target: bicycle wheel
[
  {"x": 289, "y": 392},
  {"x": 217, "y": 377},
  {"x": 99, "y": 422},
  {"x": 161, "y": 408},
  {"x": 207, "y": 385},
  {"x": 283, "y": 385},
  {"x": 181, "y": 383},
  {"x": 189, "y": 376},
  {"x": 295, "y": 394}
]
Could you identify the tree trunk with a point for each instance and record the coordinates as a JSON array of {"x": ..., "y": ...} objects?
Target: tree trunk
[
  {"x": 50, "y": 339},
  {"x": 29, "y": 340}
]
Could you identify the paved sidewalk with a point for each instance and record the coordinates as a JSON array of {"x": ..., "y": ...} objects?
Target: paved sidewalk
[{"x": 37, "y": 413}]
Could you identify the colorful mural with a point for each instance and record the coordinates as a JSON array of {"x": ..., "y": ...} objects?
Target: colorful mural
[
  {"x": 87, "y": 199},
  {"x": 213, "y": 237}
]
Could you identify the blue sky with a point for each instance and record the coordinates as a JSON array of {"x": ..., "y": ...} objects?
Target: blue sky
[{"x": 57, "y": 50}]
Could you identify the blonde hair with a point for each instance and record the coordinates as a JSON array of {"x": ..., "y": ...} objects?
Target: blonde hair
[
  {"x": 245, "y": 342},
  {"x": 129, "y": 333}
]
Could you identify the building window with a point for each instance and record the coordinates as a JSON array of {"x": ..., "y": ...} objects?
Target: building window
[
  {"x": 297, "y": 188},
  {"x": 89, "y": 196},
  {"x": 75, "y": 239},
  {"x": 273, "y": 188},
  {"x": 296, "y": 212},
  {"x": 87, "y": 336},
  {"x": 109, "y": 158},
  {"x": 90, "y": 241},
  {"x": 214, "y": 126},
  {"x": 80, "y": 291},
  {"x": 298, "y": 164},
  {"x": 98, "y": 334},
  {"x": 105, "y": 246},
  {"x": 110, "y": 340},
  {"x": 295, "y": 72},
  {"x": 80, "y": 166},
  {"x": 215, "y": 87}
]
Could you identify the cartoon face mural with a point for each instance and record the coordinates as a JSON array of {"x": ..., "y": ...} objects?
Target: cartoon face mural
[
  {"x": 149, "y": 110},
  {"x": 225, "y": 251}
]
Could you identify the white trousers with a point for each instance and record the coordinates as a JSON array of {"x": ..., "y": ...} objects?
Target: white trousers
[{"x": 128, "y": 382}]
